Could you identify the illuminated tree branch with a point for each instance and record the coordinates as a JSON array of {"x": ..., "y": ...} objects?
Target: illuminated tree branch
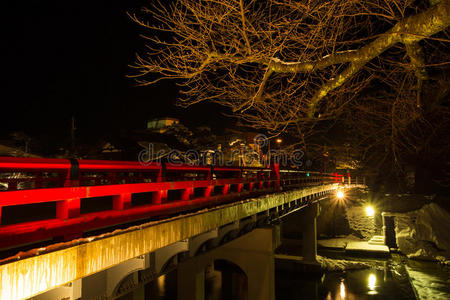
[{"x": 371, "y": 65}]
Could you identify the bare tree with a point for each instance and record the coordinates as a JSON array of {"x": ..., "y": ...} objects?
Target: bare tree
[{"x": 286, "y": 64}]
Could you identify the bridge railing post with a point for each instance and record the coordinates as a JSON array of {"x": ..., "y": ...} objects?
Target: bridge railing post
[
  {"x": 186, "y": 194},
  {"x": 225, "y": 189},
  {"x": 239, "y": 187},
  {"x": 159, "y": 197},
  {"x": 69, "y": 208},
  {"x": 122, "y": 201},
  {"x": 208, "y": 190},
  {"x": 276, "y": 174}
]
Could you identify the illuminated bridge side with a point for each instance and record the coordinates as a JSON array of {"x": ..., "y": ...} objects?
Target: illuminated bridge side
[
  {"x": 161, "y": 197},
  {"x": 24, "y": 277},
  {"x": 72, "y": 198}
]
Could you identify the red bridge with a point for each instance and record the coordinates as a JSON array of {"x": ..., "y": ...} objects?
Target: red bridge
[{"x": 56, "y": 200}]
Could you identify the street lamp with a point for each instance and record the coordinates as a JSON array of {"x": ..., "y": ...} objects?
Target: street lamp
[
  {"x": 370, "y": 211},
  {"x": 278, "y": 141}
]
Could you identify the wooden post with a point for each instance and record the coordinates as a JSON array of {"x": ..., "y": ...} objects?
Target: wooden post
[
  {"x": 208, "y": 191},
  {"x": 122, "y": 201},
  {"x": 159, "y": 197},
  {"x": 69, "y": 208},
  {"x": 186, "y": 194},
  {"x": 225, "y": 189}
]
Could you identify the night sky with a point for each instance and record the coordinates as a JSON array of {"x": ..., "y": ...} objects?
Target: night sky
[{"x": 70, "y": 58}]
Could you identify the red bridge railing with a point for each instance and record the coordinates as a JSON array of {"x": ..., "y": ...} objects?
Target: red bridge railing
[{"x": 79, "y": 196}]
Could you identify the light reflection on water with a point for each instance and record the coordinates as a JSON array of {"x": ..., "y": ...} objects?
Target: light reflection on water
[
  {"x": 384, "y": 280},
  {"x": 342, "y": 290},
  {"x": 372, "y": 284}
]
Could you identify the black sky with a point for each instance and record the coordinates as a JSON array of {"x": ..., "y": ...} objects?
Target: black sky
[{"x": 70, "y": 58}]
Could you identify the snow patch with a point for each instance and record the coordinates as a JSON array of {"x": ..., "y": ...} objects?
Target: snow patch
[
  {"x": 330, "y": 265},
  {"x": 340, "y": 242},
  {"x": 360, "y": 222},
  {"x": 424, "y": 233}
]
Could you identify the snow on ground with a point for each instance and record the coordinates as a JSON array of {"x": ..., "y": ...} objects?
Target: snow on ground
[
  {"x": 329, "y": 264},
  {"x": 338, "y": 243},
  {"x": 360, "y": 222},
  {"x": 364, "y": 246},
  {"x": 424, "y": 233}
]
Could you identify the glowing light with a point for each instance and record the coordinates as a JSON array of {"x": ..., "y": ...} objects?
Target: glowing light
[
  {"x": 370, "y": 211},
  {"x": 340, "y": 194},
  {"x": 342, "y": 290},
  {"x": 279, "y": 141},
  {"x": 372, "y": 281}
]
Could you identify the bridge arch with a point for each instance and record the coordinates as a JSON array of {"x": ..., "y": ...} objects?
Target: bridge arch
[
  {"x": 124, "y": 287},
  {"x": 123, "y": 277},
  {"x": 196, "y": 243},
  {"x": 250, "y": 254},
  {"x": 161, "y": 257},
  {"x": 234, "y": 280}
]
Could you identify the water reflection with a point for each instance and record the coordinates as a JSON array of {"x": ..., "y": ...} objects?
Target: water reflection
[
  {"x": 342, "y": 290},
  {"x": 384, "y": 280},
  {"x": 372, "y": 284}
]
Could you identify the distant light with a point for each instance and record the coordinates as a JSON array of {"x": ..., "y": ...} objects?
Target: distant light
[
  {"x": 279, "y": 141},
  {"x": 340, "y": 194},
  {"x": 342, "y": 290},
  {"x": 372, "y": 281},
  {"x": 370, "y": 211},
  {"x": 307, "y": 174}
]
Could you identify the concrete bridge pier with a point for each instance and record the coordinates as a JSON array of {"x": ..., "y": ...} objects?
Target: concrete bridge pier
[
  {"x": 252, "y": 254},
  {"x": 299, "y": 234},
  {"x": 191, "y": 281},
  {"x": 309, "y": 227}
]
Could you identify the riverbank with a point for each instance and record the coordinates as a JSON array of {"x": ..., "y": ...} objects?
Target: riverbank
[{"x": 422, "y": 229}]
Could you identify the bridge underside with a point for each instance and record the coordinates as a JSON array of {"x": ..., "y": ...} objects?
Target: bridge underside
[{"x": 56, "y": 265}]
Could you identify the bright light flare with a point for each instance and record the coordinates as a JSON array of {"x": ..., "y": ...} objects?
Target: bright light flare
[
  {"x": 370, "y": 211},
  {"x": 340, "y": 194}
]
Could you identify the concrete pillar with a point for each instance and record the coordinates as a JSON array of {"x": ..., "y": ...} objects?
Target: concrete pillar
[
  {"x": 191, "y": 281},
  {"x": 234, "y": 281},
  {"x": 139, "y": 293},
  {"x": 254, "y": 254},
  {"x": 309, "y": 249},
  {"x": 299, "y": 232}
]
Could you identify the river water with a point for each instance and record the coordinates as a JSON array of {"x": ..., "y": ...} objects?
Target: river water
[{"x": 393, "y": 278}]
